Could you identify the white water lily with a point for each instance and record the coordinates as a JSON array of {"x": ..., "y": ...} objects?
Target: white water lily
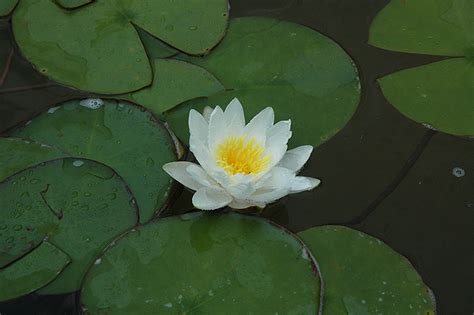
[{"x": 240, "y": 165}]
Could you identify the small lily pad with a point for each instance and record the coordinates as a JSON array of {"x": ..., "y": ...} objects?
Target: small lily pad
[
  {"x": 440, "y": 95},
  {"x": 119, "y": 134},
  {"x": 362, "y": 275},
  {"x": 72, "y": 4},
  {"x": 97, "y": 48},
  {"x": 435, "y": 27},
  {"x": 307, "y": 77},
  {"x": 78, "y": 205},
  {"x": 175, "y": 82},
  {"x": 204, "y": 264},
  {"x": 39, "y": 267},
  {"x": 17, "y": 154},
  {"x": 7, "y": 6}
]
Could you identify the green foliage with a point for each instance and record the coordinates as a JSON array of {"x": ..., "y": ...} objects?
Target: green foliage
[
  {"x": 119, "y": 134},
  {"x": 363, "y": 276},
  {"x": 307, "y": 77},
  {"x": 204, "y": 264}
]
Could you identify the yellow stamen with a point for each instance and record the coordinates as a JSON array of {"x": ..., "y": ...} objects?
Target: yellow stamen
[{"x": 237, "y": 155}]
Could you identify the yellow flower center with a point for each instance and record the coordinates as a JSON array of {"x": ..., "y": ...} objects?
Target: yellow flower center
[{"x": 237, "y": 155}]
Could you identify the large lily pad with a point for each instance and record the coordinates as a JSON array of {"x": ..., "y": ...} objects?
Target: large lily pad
[
  {"x": 118, "y": 134},
  {"x": 435, "y": 27},
  {"x": 42, "y": 265},
  {"x": 175, "y": 82},
  {"x": 78, "y": 205},
  {"x": 97, "y": 48},
  {"x": 364, "y": 276},
  {"x": 17, "y": 154},
  {"x": 438, "y": 94},
  {"x": 301, "y": 73},
  {"x": 204, "y": 264}
]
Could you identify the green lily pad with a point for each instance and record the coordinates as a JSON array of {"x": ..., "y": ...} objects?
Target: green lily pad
[
  {"x": 440, "y": 94},
  {"x": 307, "y": 77},
  {"x": 97, "y": 48},
  {"x": 7, "y": 6},
  {"x": 435, "y": 27},
  {"x": 17, "y": 154},
  {"x": 204, "y": 264},
  {"x": 118, "y": 134},
  {"x": 363, "y": 276},
  {"x": 175, "y": 82},
  {"x": 42, "y": 265},
  {"x": 72, "y": 4},
  {"x": 78, "y": 205},
  {"x": 154, "y": 47}
]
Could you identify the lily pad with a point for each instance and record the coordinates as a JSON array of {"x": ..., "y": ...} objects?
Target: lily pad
[
  {"x": 175, "y": 82},
  {"x": 307, "y": 77},
  {"x": 72, "y": 4},
  {"x": 363, "y": 276},
  {"x": 435, "y": 27},
  {"x": 204, "y": 264},
  {"x": 7, "y": 6},
  {"x": 42, "y": 265},
  {"x": 17, "y": 154},
  {"x": 106, "y": 55},
  {"x": 440, "y": 94},
  {"x": 154, "y": 47},
  {"x": 100, "y": 130},
  {"x": 425, "y": 94},
  {"x": 78, "y": 205}
]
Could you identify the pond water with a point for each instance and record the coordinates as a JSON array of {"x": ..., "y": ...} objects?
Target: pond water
[{"x": 382, "y": 174}]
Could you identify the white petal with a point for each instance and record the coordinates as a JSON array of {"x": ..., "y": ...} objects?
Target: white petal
[
  {"x": 243, "y": 204},
  {"x": 217, "y": 128},
  {"x": 234, "y": 115},
  {"x": 275, "y": 186},
  {"x": 277, "y": 140},
  {"x": 206, "y": 113},
  {"x": 241, "y": 190},
  {"x": 177, "y": 170},
  {"x": 199, "y": 175},
  {"x": 259, "y": 125},
  {"x": 208, "y": 198},
  {"x": 295, "y": 159},
  {"x": 302, "y": 183},
  {"x": 198, "y": 126}
]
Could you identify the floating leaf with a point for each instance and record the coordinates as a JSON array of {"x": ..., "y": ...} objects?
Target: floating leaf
[
  {"x": 97, "y": 48},
  {"x": 154, "y": 47},
  {"x": 307, "y": 77},
  {"x": 18, "y": 154},
  {"x": 72, "y": 4},
  {"x": 435, "y": 27},
  {"x": 206, "y": 264},
  {"x": 39, "y": 267},
  {"x": 78, "y": 205},
  {"x": 362, "y": 275},
  {"x": 175, "y": 82},
  {"x": 118, "y": 134},
  {"x": 440, "y": 94},
  {"x": 7, "y": 6}
]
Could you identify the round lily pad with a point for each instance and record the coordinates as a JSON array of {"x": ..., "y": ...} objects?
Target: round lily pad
[
  {"x": 7, "y": 6},
  {"x": 440, "y": 95},
  {"x": 77, "y": 204},
  {"x": 204, "y": 264},
  {"x": 97, "y": 48},
  {"x": 17, "y": 154},
  {"x": 119, "y": 134},
  {"x": 362, "y": 275},
  {"x": 301, "y": 73},
  {"x": 175, "y": 82},
  {"x": 35, "y": 270},
  {"x": 435, "y": 27},
  {"x": 72, "y": 4}
]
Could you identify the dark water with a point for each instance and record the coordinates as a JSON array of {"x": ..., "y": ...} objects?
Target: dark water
[{"x": 382, "y": 174}]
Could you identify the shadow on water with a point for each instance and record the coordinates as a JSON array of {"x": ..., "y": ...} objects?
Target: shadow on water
[{"x": 382, "y": 174}]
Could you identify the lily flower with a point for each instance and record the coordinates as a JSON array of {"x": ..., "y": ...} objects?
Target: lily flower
[{"x": 241, "y": 165}]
